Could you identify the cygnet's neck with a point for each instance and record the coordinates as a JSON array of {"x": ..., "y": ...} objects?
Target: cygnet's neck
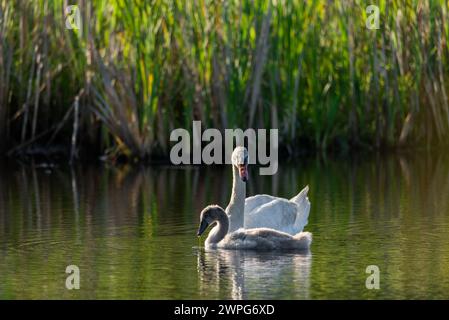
[
  {"x": 220, "y": 230},
  {"x": 236, "y": 206}
]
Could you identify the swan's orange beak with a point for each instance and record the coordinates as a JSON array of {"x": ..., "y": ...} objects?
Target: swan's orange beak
[{"x": 243, "y": 172}]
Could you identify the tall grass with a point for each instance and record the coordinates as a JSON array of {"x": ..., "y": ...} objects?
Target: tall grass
[{"x": 135, "y": 70}]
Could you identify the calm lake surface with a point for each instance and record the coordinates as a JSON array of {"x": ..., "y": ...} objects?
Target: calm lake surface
[{"x": 132, "y": 232}]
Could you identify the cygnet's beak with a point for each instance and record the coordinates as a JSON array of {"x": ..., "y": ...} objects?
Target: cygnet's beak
[
  {"x": 203, "y": 226},
  {"x": 243, "y": 172}
]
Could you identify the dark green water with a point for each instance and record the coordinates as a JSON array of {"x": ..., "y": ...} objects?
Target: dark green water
[{"x": 132, "y": 232}]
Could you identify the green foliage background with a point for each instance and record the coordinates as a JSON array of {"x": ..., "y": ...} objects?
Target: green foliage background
[{"x": 135, "y": 70}]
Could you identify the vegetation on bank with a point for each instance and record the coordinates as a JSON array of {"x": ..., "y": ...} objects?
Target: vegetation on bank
[{"x": 136, "y": 70}]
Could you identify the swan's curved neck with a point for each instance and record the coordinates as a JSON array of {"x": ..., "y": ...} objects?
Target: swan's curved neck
[
  {"x": 220, "y": 230},
  {"x": 236, "y": 206}
]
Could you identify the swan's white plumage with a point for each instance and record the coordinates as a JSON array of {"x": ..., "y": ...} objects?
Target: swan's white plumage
[
  {"x": 264, "y": 239},
  {"x": 289, "y": 216},
  {"x": 247, "y": 239}
]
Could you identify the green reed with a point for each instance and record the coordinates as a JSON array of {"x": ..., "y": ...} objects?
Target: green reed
[{"x": 135, "y": 70}]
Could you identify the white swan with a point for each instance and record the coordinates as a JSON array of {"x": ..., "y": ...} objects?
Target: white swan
[
  {"x": 256, "y": 239},
  {"x": 263, "y": 211}
]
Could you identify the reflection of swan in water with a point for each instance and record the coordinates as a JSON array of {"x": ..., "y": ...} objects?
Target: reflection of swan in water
[
  {"x": 240, "y": 274},
  {"x": 255, "y": 239}
]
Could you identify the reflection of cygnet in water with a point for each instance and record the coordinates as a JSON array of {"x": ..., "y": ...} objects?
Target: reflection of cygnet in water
[
  {"x": 241, "y": 274},
  {"x": 255, "y": 239}
]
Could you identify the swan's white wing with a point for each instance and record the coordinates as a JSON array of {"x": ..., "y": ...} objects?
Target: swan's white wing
[
  {"x": 290, "y": 216},
  {"x": 279, "y": 214},
  {"x": 303, "y": 203},
  {"x": 254, "y": 202}
]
